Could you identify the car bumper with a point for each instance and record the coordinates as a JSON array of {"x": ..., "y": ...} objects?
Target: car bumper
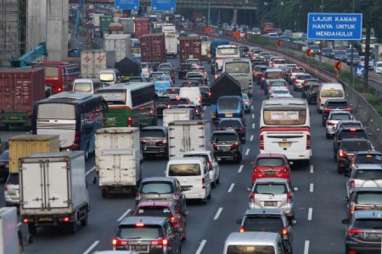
[
  {"x": 367, "y": 248},
  {"x": 330, "y": 130},
  {"x": 154, "y": 150},
  {"x": 195, "y": 195},
  {"x": 287, "y": 209}
]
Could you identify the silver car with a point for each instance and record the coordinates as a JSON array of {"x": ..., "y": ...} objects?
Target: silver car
[
  {"x": 364, "y": 176},
  {"x": 272, "y": 193},
  {"x": 246, "y": 102},
  {"x": 334, "y": 118},
  {"x": 12, "y": 190}
]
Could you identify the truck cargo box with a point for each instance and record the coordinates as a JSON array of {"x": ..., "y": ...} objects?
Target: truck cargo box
[
  {"x": 120, "y": 43},
  {"x": 93, "y": 61},
  {"x": 142, "y": 26},
  {"x": 153, "y": 48},
  {"x": 190, "y": 47},
  {"x": 176, "y": 114}
]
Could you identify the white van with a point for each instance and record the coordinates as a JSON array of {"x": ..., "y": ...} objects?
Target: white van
[
  {"x": 83, "y": 85},
  {"x": 191, "y": 93},
  {"x": 193, "y": 176},
  {"x": 110, "y": 76},
  {"x": 329, "y": 91}
]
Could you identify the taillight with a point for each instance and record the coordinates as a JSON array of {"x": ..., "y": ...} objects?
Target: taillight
[
  {"x": 354, "y": 231},
  {"x": 129, "y": 121},
  {"x": 162, "y": 142},
  {"x": 327, "y": 110},
  {"x": 289, "y": 197},
  {"x": 26, "y": 221},
  {"x": 341, "y": 153},
  {"x": 330, "y": 123},
  {"x": 160, "y": 242},
  {"x": 351, "y": 184},
  {"x": 118, "y": 242},
  {"x": 261, "y": 142},
  {"x": 308, "y": 142},
  {"x": 242, "y": 230},
  {"x": 352, "y": 208},
  {"x": 284, "y": 232},
  {"x": 173, "y": 219}
]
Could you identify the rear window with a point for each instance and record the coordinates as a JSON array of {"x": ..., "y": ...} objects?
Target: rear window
[
  {"x": 302, "y": 77},
  {"x": 273, "y": 75},
  {"x": 368, "y": 174},
  {"x": 157, "y": 188},
  {"x": 138, "y": 232},
  {"x": 336, "y": 104},
  {"x": 262, "y": 223},
  {"x": 368, "y": 158},
  {"x": 368, "y": 223},
  {"x": 356, "y": 145},
  {"x": 270, "y": 162},
  {"x": 270, "y": 188},
  {"x": 284, "y": 117},
  {"x": 49, "y": 111},
  {"x": 82, "y": 87},
  {"x": 250, "y": 249},
  {"x": 113, "y": 97},
  {"x": 222, "y": 137},
  {"x": 184, "y": 170},
  {"x": 368, "y": 198},
  {"x": 277, "y": 83},
  {"x": 230, "y": 124},
  {"x": 156, "y": 211},
  {"x": 350, "y": 125},
  {"x": 152, "y": 133},
  {"x": 352, "y": 134},
  {"x": 331, "y": 93},
  {"x": 340, "y": 117},
  {"x": 228, "y": 103}
]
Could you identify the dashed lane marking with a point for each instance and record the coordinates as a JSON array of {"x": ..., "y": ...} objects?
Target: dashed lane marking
[
  {"x": 218, "y": 213},
  {"x": 311, "y": 187},
  {"x": 310, "y": 214},
  {"x": 231, "y": 187},
  {"x": 201, "y": 247},
  {"x": 240, "y": 169},
  {"x": 306, "y": 247},
  {"x": 123, "y": 215},
  {"x": 91, "y": 247}
]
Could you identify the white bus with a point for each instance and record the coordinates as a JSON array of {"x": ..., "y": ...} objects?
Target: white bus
[
  {"x": 224, "y": 52},
  {"x": 241, "y": 70},
  {"x": 285, "y": 128}
]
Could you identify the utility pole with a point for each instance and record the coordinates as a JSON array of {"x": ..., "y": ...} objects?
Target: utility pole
[
  {"x": 209, "y": 13},
  {"x": 367, "y": 55}
]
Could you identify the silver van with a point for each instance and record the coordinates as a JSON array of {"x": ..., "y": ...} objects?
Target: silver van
[{"x": 254, "y": 243}]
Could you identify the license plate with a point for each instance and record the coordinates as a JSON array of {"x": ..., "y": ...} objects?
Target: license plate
[
  {"x": 228, "y": 115},
  {"x": 270, "y": 173},
  {"x": 270, "y": 203},
  {"x": 224, "y": 148},
  {"x": 45, "y": 219},
  {"x": 284, "y": 144},
  {"x": 143, "y": 248}
]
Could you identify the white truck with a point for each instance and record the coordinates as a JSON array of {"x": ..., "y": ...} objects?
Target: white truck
[
  {"x": 171, "y": 39},
  {"x": 188, "y": 136},
  {"x": 95, "y": 60},
  {"x": 53, "y": 190},
  {"x": 118, "y": 160},
  {"x": 120, "y": 43},
  {"x": 176, "y": 114},
  {"x": 9, "y": 242}
]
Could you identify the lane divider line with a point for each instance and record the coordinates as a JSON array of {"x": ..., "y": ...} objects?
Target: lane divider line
[
  {"x": 306, "y": 247},
  {"x": 311, "y": 187},
  {"x": 91, "y": 247},
  {"x": 201, "y": 247},
  {"x": 310, "y": 213},
  {"x": 311, "y": 169},
  {"x": 240, "y": 169},
  {"x": 253, "y": 126},
  {"x": 218, "y": 213},
  {"x": 231, "y": 187},
  {"x": 123, "y": 215},
  {"x": 247, "y": 152},
  {"x": 252, "y": 137},
  {"x": 253, "y": 116},
  {"x": 90, "y": 171}
]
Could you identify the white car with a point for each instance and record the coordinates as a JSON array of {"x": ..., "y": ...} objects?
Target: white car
[
  {"x": 378, "y": 67},
  {"x": 334, "y": 118},
  {"x": 214, "y": 169},
  {"x": 279, "y": 92},
  {"x": 12, "y": 190},
  {"x": 298, "y": 79}
]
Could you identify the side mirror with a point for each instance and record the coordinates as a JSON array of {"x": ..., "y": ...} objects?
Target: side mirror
[{"x": 345, "y": 221}]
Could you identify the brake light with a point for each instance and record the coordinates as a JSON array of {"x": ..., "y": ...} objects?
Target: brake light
[
  {"x": 261, "y": 142},
  {"x": 209, "y": 94},
  {"x": 173, "y": 219},
  {"x": 252, "y": 196},
  {"x": 352, "y": 208},
  {"x": 341, "y": 153},
  {"x": 66, "y": 219},
  {"x": 330, "y": 123},
  {"x": 353, "y": 129},
  {"x": 26, "y": 221},
  {"x": 289, "y": 196},
  {"x": 162, "y": 142},
  {"x": 354, "y": 231},
  {"x": 308, "y": 142},
  {"x": 139, "y": 225},
  {"x": 326, "y": 110},
  {"x": 257, "y": 174},
  {"x": 284, "y": 232},
  {"x": 118, "y": 242},
  {"x": 129, "y": 121},
  {"x": 160, "y": 242},
  {"x": 351, "y": 184},
  {"x": 242, "y": 230}
]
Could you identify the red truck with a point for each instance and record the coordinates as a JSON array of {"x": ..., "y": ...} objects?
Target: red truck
[
  {"x": 20, "y": 88},
  {"x": 190, "y": 47},
  {"x": 142, "y": 27},
  {"x": 153, "y": 48}
]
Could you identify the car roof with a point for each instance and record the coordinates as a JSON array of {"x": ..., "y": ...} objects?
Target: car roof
[
  {"x": 270, "y": 211},
  {"x": 367, "y": 214},
  {"x": 246, "y": 238},
  {"x": 149, "y": 220},
  {"x": 186, "y": 160},
  {"x": 158, "y": 179}
]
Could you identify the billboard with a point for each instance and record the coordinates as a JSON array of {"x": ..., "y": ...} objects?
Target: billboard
[
  {"x": 334, "y": 26},
  {"x": 127, "y": 5},
  {"x": 163, "y": 5}
]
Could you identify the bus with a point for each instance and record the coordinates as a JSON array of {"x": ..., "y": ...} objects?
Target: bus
[
  {"x": 285, "y": 128},
  {"x": 59, "y": 75},
  {"x": 225, "y": 52},
  {"x": 241, "y": 70},
  {"x": 130, "y": 104},
  {"x": 74, "y": 117}
]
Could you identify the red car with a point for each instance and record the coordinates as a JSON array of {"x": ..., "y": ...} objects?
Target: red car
[
  {"x": 271, "y": 165},
  {"x": 163, "y": 208}
]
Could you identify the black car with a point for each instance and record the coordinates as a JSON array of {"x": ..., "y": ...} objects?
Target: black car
[
  {"x": 311, "y": 90},
  {"x": 347, "y": 132},
  {"x": 154, "y": 141},
  {"x": 226, "y": 145},
  {"x": 183, "y": 69},
  {"x": 152, "y": 235},
  {"x": 364, "y": 232},
  {"x": 235, "y": 124},
  {"x": 334, "y": 104}
]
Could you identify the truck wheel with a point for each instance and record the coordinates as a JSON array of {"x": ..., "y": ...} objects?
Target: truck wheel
[
  {"x": 73, "y": 227},
  {"x": 32, "y": 229},
  {"x": 84, "y": 221},
  {"x": 105, "y": 194}
]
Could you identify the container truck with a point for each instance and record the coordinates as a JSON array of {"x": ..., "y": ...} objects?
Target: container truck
[
  {"x": 118, "y": 160},
  {"x": 20, "y": 88},
  {"x": 176, "y": 114},
  {"x": 142, "y": 26},
  {"x": 120, "y": 43},
  {"x": 153, "y": 48},
  {"x": 53, "y": 190},
  {"x": 187, "y": 136},
  {"x": 93, "y": 61},
  {"x": 190, "y": 47},
  {"x": 9, "y": 242}
]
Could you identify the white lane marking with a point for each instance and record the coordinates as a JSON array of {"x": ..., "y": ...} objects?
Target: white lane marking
[
  {"x": 310, "y": 214},
  {"x": 306, "y": 247},
  {"x": 91, "y": 248},
  {"x": 218, "y": 212},
  {"x": 247, "y": 152},
  {"x": 201, "y": 247},
  {"x": 231, "y": 187},
  {"x": 90, "y": 170},
  {"x": 252, "y": 137},
  {"x": 311, "y": 187},
  {"x": 123, "y": 215},
  {"x": 240, "y": 169},
  {"x": 253, "y": 116},
  {"x": 311, "y": 169},
  {"x": 253, "y": 126},
  {"x": 252, "y": 107}
]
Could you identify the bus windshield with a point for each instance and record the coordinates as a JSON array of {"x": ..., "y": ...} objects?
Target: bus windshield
[
  {"x": 49, "y": 111},
  {"x": 227, "y": 51},
  {"x": 228, "y": 103},
  {"x": 237, "y": 67},
  {"x": 106, "y": 77},
  {"x": 284, "y": 117}
]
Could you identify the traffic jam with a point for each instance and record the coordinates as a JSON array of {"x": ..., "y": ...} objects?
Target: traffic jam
[{"x": 166, "y": 139}]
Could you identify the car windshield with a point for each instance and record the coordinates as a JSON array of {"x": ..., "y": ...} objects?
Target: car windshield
[
  {"x": 157, "y": 187},
  {"x": 250, "y": 249},
  {"x": 152, "y": 134},
  {"x": 224, "y": 137},
  {"x": 82, "y": 87},
  {"x": 263, "y": 223},
  {"x": 230, "y": 124},
  {"x": 270, "y": 188},
  {"x": 228, "y": 103},
  {"x": 369, "y": 158},
  {"x": 368, "y": 198},
  {"x": 368, "y": 223},
  {"x": 184, "y": 170},
  {"x": 277, "y": 83},
  {"x": 284, "y": 117},
  {"x": 353, "y": 134},
  {"x": 340, "y": 116},
  {"x": 237, "y": 67},
  {"x": 331, "y": 93},
  {"x": 139, "y": 232},
  {"x": 270, "y": 162},
  {"x": 351, "y": 146},
  {"x": 157, "y": 211},
  {"x": 368, "y": 174}
]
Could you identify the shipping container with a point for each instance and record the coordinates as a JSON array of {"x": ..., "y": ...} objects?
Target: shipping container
[
  {"x": 128, "y": 25},
  {"x": 26, "y": 145},
  {"x": 105, "y": 22},
  {"x": 120, "y": 43},
  {"x": 93, "y": 61},
  {"x": 142, "y": 27},
  {"x": 20, "y": 88},
  {"x": 190, "y": 47},
  {"x": 153, "y": 48}
]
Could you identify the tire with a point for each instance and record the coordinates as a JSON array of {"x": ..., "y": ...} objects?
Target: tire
[
  {"x": 84, "y": 221},
  {"x": 32, "y": 229},
  {"x": 105, "y": 194},
  {"x": 73, "y": 227},
  {"x": 239, "y": 158},
  {"x": 328, "y": 136}
]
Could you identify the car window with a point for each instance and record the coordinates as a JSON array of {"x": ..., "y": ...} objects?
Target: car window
[
  {"x": 368, "y": 223},
  {"x": 230, "y": 124},
  {"x": 336, "y": 104},
  {"x": 139, "y": 232},
  {"x": 184, "y": 170},
  {"x": 368, "y": 198},
  {"x": 270, "y": 188},
  {"x": 157, "y": 187},
  {"x": 351, "y": 146},
  {"x": 224, "y": 137},
  {"x": 250, "y": 249},
  {"x": 263, "y": 223},
  {"x": 271, "y": 162},
  {"x": 340, "y": 117},
  {"x": 368, "y": 174},
  {"x": 153, "y": 211},
  {"x": 368, "y": 158},
  {"x": 152, "y": 133},
  {"x": 352, "y": 134}
]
